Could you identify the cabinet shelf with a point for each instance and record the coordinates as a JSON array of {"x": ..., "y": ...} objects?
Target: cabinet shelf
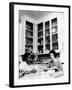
[
  {"x": 54, "y": 33},
  {"x": 54, "y": 30},
  {"x": 40, "y": 31},
  {"x": 47, "y": 24},
  {"x": 47, "y": 43},
  {"x": 29, "y": 37},
  {"x": 40, "y": 37},
  {"x": 47, "y": 36},
  {"x": 55, "y": 38},
  {"x": 40, "y": 34},
  {"x": 54, "y": 41},
  {"x": 55, "y": 45},
  {"x": 29, "y": 25},
  {"x": 47, "y": 32},
  {"x": 40, "y": 26},
  {"x": 54, "y": 26},
  {"x": 29, "y": 30},
  {"x": 40, "y": 45},
  {"x": 47, "y": 28},
  {"x": 54, "y": 22},
  {"x": 29, "y": 45}
]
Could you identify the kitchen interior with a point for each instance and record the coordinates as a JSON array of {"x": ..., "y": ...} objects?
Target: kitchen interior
[{"x": 41, "y": 31}]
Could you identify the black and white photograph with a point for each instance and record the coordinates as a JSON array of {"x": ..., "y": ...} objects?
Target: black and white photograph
[{"x": 41, "y": 44}]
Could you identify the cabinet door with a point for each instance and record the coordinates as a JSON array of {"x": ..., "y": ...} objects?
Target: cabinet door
[
  {"x": 28, "y": 36},
  {"x": 50, "y": 38},
  {"x": 47, "y": 36},
  {"x": 40, "y": 37},
  {"x": 54, "y": 33}
]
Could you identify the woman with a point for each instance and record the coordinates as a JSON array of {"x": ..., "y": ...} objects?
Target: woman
[
  {"x": 55, "y": 64},
  {"x": 25, "y": 66}
]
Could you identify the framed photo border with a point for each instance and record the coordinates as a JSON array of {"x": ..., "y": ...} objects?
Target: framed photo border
[{"x": 11, "y": 42}]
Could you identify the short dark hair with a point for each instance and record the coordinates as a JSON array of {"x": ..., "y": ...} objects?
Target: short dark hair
[{"x": 53, "y": 51}]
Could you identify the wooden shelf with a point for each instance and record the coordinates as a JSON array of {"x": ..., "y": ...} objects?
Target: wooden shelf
[
  {"x": 40, "y": 45},
  {"x": 29, "y": 44},
  {"x": 40, "y": 31},
  {"x": 29, "y": 37},
  {"x": 54, "y": 41},
  {"x": 29, "y": 30},
  {"x": 40, "y": 37},
  {"x": 55, "y": 32},
  {"x": 47, "y": 35},
  {"x": 54, "y": 26},
  {"x": 47, "y": 43},
  {"x": 47, "y": 28}
]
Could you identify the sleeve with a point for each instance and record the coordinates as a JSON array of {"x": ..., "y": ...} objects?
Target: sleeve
[
  {"x": 50, "y": 65},
  {"x": 26, "y": 56},
  {"x": 60, "y": 66}
]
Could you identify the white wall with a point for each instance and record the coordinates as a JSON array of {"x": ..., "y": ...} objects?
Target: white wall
[{"x": 4, "y": 44}]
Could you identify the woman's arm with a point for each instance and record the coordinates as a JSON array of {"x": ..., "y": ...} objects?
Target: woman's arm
[
  {"x": 57, "y": 66},
  {"x": 53, "y": 68},
  {"x": 60, "y": 66}
]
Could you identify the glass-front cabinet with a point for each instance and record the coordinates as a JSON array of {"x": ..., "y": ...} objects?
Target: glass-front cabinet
[
  {"x": 28, "y": 35},
  {"x": 54, "y": 30},
  {"x": 41, "y": 35},
  {"x": 47, "y": 36},
  {"x": 40, "y": 38}
]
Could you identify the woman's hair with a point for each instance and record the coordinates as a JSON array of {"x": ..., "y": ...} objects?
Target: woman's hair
[{"x": 54, "y": 53}]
